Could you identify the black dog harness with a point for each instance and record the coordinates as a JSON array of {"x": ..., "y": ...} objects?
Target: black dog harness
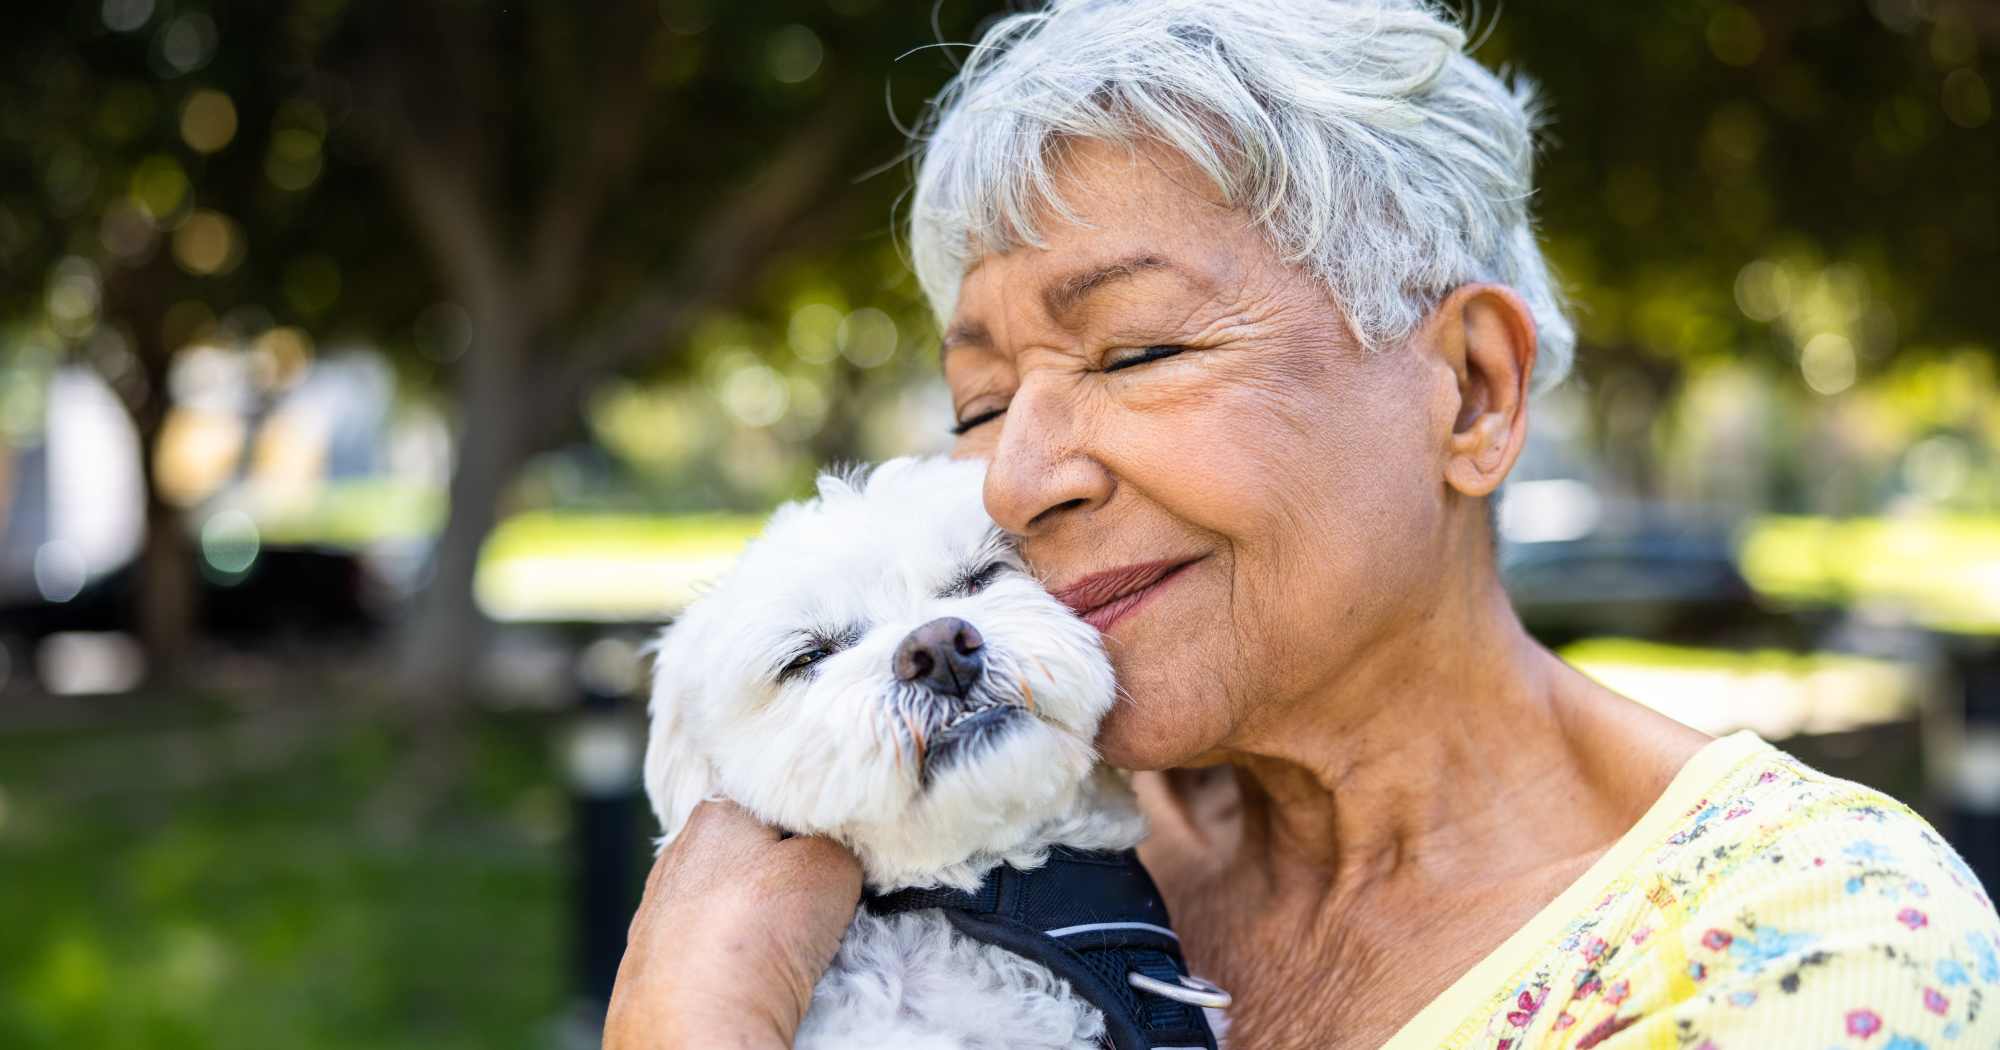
[{"x": 1095, "y": 919}]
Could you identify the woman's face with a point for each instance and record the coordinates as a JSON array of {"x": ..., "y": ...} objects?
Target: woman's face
[{"x": 1182, "y": 410}]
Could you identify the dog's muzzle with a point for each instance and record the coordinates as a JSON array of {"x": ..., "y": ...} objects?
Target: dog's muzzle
[{"x": 946, "y": 656}]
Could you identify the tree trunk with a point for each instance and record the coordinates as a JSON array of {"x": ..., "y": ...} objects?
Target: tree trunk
[
  {"x": 167, "y": 599},
  {"x": 450, "y": 638}
]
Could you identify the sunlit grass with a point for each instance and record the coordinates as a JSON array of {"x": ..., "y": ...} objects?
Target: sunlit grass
[
  {"x": 549, "y": 566},
  {"x": 1940, "y": 571},
  {"x": 354, "y": 513},
  {"x": 539, "y": 565},
  {"x": 1780, "y": 694}
]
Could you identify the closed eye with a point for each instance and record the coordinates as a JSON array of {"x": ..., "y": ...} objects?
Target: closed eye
[
  {"x": 976, "y": 580},
  {"x": 1139, "y": 356},
  {"x": 969, "y": 422}
]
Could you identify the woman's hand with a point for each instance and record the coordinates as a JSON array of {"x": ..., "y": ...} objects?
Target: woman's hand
[{"x": 736, "y": 927}]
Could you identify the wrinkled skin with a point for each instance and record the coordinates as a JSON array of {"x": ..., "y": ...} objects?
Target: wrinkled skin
[
  {"x": 734, "y": 930},
  {"x": 1384, "y": 741}
]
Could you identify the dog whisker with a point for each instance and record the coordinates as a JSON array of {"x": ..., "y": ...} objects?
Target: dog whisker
[
  {"x": 886, "y": 734},
  {"x": 916, "y": 736}
]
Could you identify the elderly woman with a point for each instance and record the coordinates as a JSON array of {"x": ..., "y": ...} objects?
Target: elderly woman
[{"x": 1243, "y": 305}]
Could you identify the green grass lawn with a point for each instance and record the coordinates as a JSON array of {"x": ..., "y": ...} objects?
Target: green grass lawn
[{"x": 208, "y": 881}]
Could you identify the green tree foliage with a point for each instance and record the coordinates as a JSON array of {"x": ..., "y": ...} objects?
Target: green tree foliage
[
  {"x": 587, "y": 199},
  {"x": 591, "y": 182},
  {"x": 1731, "y": 182},
  {"x": 163, "y": 181}
]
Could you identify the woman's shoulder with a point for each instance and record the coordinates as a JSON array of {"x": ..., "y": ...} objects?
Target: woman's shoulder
[
  {"x": 1759, "y": 903},
  {"x": 1774, "y": 833},
  {"x": 1794, "y": 904}
]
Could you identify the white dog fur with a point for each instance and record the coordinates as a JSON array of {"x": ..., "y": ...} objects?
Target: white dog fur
[{"x": 838, "y": 747}]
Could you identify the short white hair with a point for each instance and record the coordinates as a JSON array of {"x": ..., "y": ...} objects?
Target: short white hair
[{"x": 1358, "y": 134}]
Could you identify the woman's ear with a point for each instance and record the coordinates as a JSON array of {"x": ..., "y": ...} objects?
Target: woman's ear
[
  {"x": 1488, "y": 335},
  {"x": 678, "y": 774}
]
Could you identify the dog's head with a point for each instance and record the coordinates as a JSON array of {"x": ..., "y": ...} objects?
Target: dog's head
[{"x": 880, "y": 668}]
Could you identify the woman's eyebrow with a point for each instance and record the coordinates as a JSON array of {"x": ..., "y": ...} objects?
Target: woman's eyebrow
[
  {"x": 1061, "y": 297},
  {"x": 964, "y": 334}
]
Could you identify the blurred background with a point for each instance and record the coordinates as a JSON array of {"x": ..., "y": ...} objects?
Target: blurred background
[{"x": 375, "y": 377}]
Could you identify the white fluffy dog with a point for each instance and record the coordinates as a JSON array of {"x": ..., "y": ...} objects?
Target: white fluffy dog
[{"x": 880, "y": 668}]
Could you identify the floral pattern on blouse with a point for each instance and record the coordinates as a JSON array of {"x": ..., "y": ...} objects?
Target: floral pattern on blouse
[{"x": 1786, "y": 908}]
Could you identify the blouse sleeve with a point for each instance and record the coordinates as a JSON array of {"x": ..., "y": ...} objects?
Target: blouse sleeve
[{"x": 1862, "y": 930}]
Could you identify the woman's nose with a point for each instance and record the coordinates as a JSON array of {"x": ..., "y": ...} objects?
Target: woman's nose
[{"x": 1037, "y": 471}]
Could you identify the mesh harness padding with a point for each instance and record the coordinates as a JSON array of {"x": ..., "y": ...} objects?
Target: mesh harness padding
[{"x": 1111, "y": 922}]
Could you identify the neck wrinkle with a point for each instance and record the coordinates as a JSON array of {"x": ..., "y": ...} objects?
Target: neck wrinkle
[{"x": 1410, "y": 765}]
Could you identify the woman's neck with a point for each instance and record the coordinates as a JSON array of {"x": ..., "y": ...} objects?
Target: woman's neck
[{"x": 1460, "y": 750}]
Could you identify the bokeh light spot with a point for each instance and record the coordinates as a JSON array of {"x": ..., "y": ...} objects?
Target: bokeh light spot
[
  {"x": 208, "y": 120},
  {"x": 755, "y": 394},
  {"x": 207, "y": 243},
  {"x": 1937, "y": 467},
  {"x": 1827, "y": 362},
  {"x": 793, "y": 54},
  {"x": 73, "y": 297},
  {"x": 293, "y": 162},
  {"x": 188, "y": 42},
  {"x": 686, "y": 17},
  {"x": 230, "y": 542},
  {"x": 1763, "y": 290},
  {"x": 812, "y": 332},
  {"x": 868, "y": 337},
  {"x": 1734, "y": 36},
  {"x": 124, "y": 16},
  {"x": 159, "y": 187},
  {"x": 1954, "y": 42},
  {"x": 1967, "y": 102},
  {"x": 278, "y": 356},
  {"x": 60, "y": 572}
]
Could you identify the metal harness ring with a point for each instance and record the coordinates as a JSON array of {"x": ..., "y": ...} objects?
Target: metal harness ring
[{"x": 1192, "y": 990}]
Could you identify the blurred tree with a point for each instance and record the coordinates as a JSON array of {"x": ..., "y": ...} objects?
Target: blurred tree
[
  {"x": 1808, "y": 187},
  {"x": 591, "y": 180},
  {"x": 1802, "y": 185},
  {"x": 162, "y": 185}
]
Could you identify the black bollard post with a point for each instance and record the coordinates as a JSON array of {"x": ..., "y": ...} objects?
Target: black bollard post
[
  {"x": 602, "y": 756},
  {"x": 1975, "y": 802}
]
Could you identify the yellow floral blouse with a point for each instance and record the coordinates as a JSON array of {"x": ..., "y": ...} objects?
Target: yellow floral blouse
[{"x": 1758, "y": 905}]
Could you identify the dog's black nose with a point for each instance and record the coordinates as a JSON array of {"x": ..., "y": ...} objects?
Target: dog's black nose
[{"x": 947, "y": 655}]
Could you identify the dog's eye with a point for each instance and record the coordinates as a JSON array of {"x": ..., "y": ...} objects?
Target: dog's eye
[
  {"x": 803, "y": 662},
  {"x": 975, "y": 581}
]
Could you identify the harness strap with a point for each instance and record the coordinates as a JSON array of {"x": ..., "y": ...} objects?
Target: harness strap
[{"x": 1092, "y": 917}]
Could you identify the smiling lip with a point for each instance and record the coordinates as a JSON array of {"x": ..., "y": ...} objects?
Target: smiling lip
[{"x": 1104, "y": 598}]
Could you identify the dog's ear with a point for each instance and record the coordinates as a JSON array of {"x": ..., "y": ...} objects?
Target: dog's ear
[{"x": 678, "y": 775}]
